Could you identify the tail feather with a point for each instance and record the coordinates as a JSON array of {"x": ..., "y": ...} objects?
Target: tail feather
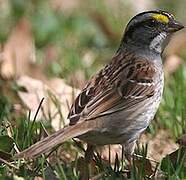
[{"x": 53, "y": 140}]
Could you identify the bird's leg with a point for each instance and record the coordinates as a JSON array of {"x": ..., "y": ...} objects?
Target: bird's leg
[
  {"x": 89, "y": 153},
  {"x": 127, "y": 151}
]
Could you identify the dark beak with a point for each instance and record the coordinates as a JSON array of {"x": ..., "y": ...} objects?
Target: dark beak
[{"x": 175, "y": 26}]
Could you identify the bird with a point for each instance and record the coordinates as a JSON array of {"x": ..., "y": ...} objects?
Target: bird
[{"x": 118, "y": 103}]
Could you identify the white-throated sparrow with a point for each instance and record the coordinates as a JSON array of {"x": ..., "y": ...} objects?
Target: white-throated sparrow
[{"x": 118, "y": 103}]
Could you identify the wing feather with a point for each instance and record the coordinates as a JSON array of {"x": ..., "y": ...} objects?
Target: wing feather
[{"x": 119, "y": 86}]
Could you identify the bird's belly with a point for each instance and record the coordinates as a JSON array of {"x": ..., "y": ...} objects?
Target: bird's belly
[
  {"x": 123, "y": 127},
  {"x": 120, "y": 130}
]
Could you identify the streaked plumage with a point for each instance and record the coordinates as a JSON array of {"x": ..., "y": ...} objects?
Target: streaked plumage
[{"x": 118, "y": 103}]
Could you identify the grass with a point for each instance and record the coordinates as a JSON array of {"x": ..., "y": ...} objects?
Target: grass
[
  {"x": 25, "y": 132},
  {"x": 172, "y": 111},
  {"x": 77, "y": 35}
]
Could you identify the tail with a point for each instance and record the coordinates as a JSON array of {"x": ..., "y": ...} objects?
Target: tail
[{"x": 53, "y": 140}]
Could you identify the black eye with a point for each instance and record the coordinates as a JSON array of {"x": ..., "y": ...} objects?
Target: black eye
[{"x": 151, "y": 23}]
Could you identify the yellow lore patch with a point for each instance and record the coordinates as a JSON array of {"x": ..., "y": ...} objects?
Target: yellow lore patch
[{"x": 161, "y": 18}]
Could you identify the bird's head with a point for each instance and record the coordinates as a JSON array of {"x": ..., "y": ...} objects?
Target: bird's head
[{"x": 151, "y": 29}]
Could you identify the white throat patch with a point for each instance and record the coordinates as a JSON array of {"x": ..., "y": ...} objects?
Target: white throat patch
[{"x": 156, "y": 43}]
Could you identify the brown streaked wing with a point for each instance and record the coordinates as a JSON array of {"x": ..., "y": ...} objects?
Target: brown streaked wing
[
  {"x": 94, "y": 88},
  {"x": 79, "y": 104},
  {"x": 135, "y": 88},
  {"x": 133, "y": 84}
]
